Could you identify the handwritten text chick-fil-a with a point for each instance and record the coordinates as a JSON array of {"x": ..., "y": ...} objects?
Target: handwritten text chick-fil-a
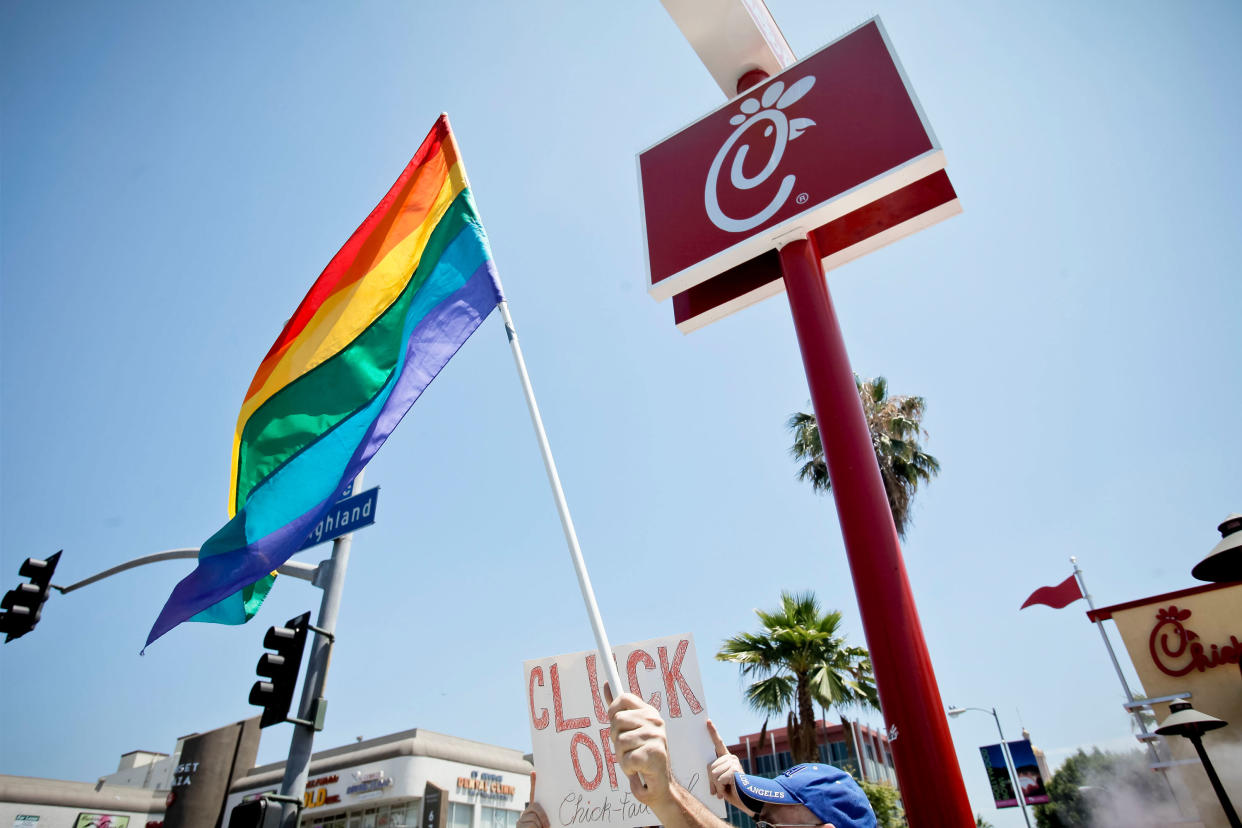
[{"x": 590, "y": 750}]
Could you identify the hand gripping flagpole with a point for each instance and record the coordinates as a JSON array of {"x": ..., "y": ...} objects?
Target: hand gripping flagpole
[{"x": 562, "y": 508}]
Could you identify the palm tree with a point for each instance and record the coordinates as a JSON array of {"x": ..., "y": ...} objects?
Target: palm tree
[
  {"x": 896, "y": 426},
  {"x": 798, "y": 658}
]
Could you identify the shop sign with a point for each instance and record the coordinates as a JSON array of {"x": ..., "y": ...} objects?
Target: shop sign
[
  {"x": 824, "y": 138},
  {"x": 101, "y": 821},
  {"x": 25, "y": 821},
  {"x": 183, "y": 775},
  {"x": 316, "y": 794},
  {"x": 318, "y": 798},
  {"x": 1176, "y": 650},
  {"x": 372, "y": 783},
  {"x": 485, "y": 785},
  {"x": 208, "y": 764}
]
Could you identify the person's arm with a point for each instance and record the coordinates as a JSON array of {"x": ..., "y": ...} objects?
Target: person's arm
[
  {"x": 641, "y": 747},
  {"x": 682, "y": 809}
]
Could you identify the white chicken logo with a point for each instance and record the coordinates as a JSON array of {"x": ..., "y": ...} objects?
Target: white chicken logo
[{"x": 775, "y": 99}]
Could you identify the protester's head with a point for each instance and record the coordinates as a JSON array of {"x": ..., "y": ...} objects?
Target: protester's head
[{"x": 805, "y": 792}]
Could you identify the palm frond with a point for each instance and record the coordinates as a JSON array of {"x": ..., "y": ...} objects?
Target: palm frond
[
  {"x": 798, "y": 654},
  {"x": 896, "y": 428}
]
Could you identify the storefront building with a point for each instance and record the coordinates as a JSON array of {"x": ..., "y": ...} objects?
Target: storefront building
[
  {"x": 53, "y": 803},
  {"x": 377, "y": 783},
  {"x": 385, "y": 782},
  {"x": 1186, "y": 644}
]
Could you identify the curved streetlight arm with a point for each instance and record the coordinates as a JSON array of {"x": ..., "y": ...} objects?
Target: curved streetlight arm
[{"x": 294, "y": 569}]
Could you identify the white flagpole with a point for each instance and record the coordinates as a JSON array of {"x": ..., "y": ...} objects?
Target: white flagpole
[
  {"x": 1148, "y": 739},
  {"x": 562, "y": 508},
  {"x": 1082, "y": 585}
]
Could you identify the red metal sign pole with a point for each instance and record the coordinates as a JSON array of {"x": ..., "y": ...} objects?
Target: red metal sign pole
[{"x": 927, "y": 769}]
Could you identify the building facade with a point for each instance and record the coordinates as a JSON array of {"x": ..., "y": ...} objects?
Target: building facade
[
  {"x": 1186, "y": 644},
  {"x": 377, "y": 783},
  {"x": 53, "y": 803},
  {"x": 385, "y": 782}
]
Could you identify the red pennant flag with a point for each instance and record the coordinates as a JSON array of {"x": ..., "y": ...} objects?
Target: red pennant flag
[{"x": 1057, "y": 597}]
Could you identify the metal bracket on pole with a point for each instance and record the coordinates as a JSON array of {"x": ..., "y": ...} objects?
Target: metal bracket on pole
[
  {"x": 789, "y": 237},
  {"x": 1141, "y": 703},
  {"x": 323, "y": 574},
  {"x": 318, "y": 712},
  {"x": 321, "y": 631}
]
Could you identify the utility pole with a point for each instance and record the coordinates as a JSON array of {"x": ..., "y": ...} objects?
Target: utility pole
[{"x": 331, "y": 579}]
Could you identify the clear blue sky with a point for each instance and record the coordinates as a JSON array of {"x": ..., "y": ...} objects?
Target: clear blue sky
[{"x": 176, "y": 175}]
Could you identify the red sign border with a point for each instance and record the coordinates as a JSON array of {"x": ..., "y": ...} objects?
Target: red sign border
[{"x": 899, "y": 214}]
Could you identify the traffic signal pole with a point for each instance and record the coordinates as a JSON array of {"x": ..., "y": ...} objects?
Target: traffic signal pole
[
  {"x": 331, "y": 579},
  {"x": 931, "y": 783}
]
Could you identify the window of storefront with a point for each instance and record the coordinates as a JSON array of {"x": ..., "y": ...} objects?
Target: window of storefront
[
  {"x": 460, "y": 815},
  {"x": 771, "y": 766},
  {"x": 397, "y": 815},
  {"x": 498, "y": 818}
]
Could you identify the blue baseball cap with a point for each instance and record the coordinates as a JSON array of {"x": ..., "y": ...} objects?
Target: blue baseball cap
[{"x": 830, "y": 793}]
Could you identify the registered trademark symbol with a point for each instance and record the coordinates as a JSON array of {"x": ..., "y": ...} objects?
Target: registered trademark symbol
[{"x": 802, "y": 198}]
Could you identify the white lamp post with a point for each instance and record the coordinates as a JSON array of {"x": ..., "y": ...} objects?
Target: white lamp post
[
  {"x": 1185, "y": 721},
  {"x": 954, "y": 712}
]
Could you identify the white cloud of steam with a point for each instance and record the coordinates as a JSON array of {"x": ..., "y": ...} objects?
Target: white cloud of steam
[
  {"x": 1115, "y": 801},
  {"x": 1122, "y": 797}
]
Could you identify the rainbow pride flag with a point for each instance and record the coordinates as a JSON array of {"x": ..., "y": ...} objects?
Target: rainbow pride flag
[{"x": 389, "y": 311}]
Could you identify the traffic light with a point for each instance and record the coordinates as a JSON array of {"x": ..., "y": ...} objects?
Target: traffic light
[
  {"x": 254, "y": 814},
  {"x": 281, "y": 667},
  {"x": 23, "y": 606}
]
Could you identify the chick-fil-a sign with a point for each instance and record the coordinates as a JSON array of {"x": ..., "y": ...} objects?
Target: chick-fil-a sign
[
  {"x": 829, "y": 135},
  {"x": 1176, "y": 650},
  {"x": 580, "y": 782}
]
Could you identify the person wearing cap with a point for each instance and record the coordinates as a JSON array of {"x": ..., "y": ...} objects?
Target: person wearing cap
[{"x": 805, "y": 796}]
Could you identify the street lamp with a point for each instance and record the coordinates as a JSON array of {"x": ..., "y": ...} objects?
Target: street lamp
[
  {"x": 1224, "y": 562},
  {"x": 954, "y": 712},
  {"x": 1185, "y": 721}
]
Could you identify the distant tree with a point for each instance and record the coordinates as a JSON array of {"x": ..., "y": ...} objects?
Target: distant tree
[
  {"x": 896, "y": 425},
  {"x": 1098, "y": 780},
  {"x": 980, "y": 822},
  {"x": 884, "y": 801},
  {"x": 799, "y": 658},
  {"x": 1142, "y": 714}
]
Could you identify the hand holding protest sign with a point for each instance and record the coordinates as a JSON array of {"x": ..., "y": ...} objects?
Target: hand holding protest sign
[
  {"x": 571, "y": 733},
  {"x": 641, "y": 746}
]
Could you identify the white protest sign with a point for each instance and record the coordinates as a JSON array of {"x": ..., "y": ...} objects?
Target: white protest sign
[{"x": 579, "y": 780}]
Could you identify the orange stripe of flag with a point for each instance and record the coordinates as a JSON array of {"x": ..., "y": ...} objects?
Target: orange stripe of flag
[{"x": 388, "y": 224}]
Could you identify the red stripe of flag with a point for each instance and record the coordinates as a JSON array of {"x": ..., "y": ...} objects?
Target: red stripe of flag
[{"x": 1057, "y": 597}]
